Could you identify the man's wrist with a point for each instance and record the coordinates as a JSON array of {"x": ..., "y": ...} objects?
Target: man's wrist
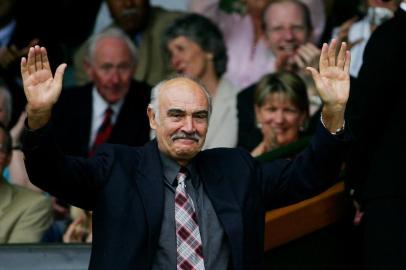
[{"x": 337, "y": 131}]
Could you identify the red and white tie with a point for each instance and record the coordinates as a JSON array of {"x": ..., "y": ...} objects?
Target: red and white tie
[
  {"x": 104, "y": 131},
  {"x": 189, "y": 242}
]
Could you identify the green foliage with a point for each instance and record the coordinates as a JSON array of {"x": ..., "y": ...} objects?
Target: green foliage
[{"x": 231, "y": 6}]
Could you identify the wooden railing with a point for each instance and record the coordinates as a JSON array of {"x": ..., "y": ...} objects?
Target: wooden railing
[{"x": 288, "y": 223}]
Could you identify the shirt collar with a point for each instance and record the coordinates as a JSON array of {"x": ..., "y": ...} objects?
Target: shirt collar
[
  {"x": 171, "y": 169},
  {"x": 100, "y": 105}
]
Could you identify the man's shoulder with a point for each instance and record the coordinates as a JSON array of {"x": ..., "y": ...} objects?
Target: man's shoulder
[
  {"x": 24, "y": 197},
  {"x": 389, "y": 31},
  {"x": 158, "y": 13},
  {"x": 160, "y": 18},
  {"x": 125, "y": 152},
  {"x": 224, "y": 155}
]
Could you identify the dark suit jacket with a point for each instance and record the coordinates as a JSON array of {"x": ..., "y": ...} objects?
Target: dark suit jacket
[
  {"x": 125, "y": 189},
  {"x": 73, "y": 112},
  {"x": 377, "y": 115},
  {"x": 376, "y": 170}
]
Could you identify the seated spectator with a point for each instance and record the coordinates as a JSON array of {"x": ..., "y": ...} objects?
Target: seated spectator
[
  {"x": 357, "y": 32},
  {"x": 245, "y": 36},
  {"x": 24, "y": 214},
  {"x": 144, "y": 26},
  {"x": 15, "y": 172},
  {"x": 110, "y": 63},
  {"x": 289, "y": 30},
  {"x": 281, "y": 109},
  {"x": 196, "y": 49}
]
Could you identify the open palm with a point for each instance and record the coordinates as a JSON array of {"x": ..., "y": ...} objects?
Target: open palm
[
  {"x": 41, "y": 88},
  {"x": 333, "y": 80}
]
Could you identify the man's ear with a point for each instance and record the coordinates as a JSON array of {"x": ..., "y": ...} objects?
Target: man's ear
[{"x": 152, "y": 117}]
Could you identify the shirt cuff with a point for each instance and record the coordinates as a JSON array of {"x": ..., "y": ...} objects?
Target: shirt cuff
[{"x": 338, "y": 131}]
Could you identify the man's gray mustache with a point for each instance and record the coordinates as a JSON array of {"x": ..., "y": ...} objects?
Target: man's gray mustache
[{"x": 190, "y": 136}]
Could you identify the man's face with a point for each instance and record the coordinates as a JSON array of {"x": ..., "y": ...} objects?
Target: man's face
[
  {"x": 183, "y": 119},
  {"x": 111, "y": 69},
  {"x": 130, "y": 15},
  {"x": 280, "y": 116},
  {"x": 285, "y": 28},
  {"x": 187, "y": 57}
]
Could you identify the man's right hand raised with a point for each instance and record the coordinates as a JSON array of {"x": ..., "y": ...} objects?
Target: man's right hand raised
[{"x": 41, "y": 88}]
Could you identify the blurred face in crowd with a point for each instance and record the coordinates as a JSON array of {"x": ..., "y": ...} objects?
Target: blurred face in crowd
[
  {"x": 279, "y": 115},
  {"x": 285, "y": 28},
  {"x": 5, "y": 156},
  {"x": 6, "y": 11},
  {"x": 130, "y": 15},
  {"x": 111, "y": 68},
  {"x": 183, "y": 119},
  {"x": 187, "y": 57}
]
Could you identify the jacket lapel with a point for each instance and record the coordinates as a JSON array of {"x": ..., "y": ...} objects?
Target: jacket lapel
[
  {"x": 226, "y": 207},
  {"x": 151, "y": 187}
]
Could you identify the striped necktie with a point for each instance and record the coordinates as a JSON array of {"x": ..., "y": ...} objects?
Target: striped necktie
[{"x": 188, "y": 240}]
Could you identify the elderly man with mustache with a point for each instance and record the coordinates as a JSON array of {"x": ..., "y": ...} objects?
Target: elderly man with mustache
[
  {"x": 144, "y": 25},
  {"x": 168, "y": 204}
]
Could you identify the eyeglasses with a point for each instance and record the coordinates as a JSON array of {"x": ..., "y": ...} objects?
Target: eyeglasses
[{"x": 295, "y": 29}]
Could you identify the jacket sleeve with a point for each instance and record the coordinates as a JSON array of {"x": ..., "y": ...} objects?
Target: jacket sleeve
[{"x": 73, "y": 179}]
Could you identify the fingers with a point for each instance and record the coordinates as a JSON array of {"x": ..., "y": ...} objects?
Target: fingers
[
  {"x": 36, "y": 60},
  {"x": 307, "y": 55},
  {"x": 323, "y": 64},
  {"x": 328, "y": 56},
  {"x": 45, "y": 61},
  {"x": 342, "y": 55},
  {"x": 299, "y": 61},
  {"x": 59, "y": 74},
  {"x": 24, "y": 68},
  {"x": 347, "y": 62},
  {"x": 31, "y": 60},
  {"x": 38, "y": 57},
  {"x": 313, "y": 71},
  {"x": 332, "y": 53}
]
